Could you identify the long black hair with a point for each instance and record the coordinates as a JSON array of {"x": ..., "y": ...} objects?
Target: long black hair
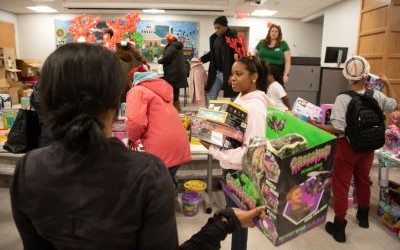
[
  {"x": 79, "y": 83},
  {"x": 253, "y": 65}
]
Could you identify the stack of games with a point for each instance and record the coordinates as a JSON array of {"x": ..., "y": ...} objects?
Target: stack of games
[
  {"x": 185, "y": 118},
  {"x": 119, "y": 128},
  {"x": 222, "y": 124},
  {"x": 288, "y": 172}
]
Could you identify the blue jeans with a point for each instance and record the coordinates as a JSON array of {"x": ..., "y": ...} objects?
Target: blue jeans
[
  {"x": 212, "y": 94},
  {"x": 239, "y": 238}
]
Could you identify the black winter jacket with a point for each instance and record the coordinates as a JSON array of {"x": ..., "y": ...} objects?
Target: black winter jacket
[
  {"x": 227, "y": 59},
  {"x": 174, "y": 65},
  {"x": 114, "y": 199}
]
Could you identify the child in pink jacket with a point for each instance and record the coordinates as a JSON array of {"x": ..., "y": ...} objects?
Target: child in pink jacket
[
  {"x": 248, "y": 78},
  {"x": 152, "y": 118}
]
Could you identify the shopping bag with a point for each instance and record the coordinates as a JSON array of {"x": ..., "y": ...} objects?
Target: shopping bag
[{"x": 25, "y": 132}]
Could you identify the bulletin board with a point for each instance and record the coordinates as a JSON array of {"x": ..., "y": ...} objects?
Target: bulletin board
[{"x": 153, "y": 32}]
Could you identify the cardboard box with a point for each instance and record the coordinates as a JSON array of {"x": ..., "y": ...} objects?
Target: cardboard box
[
  {"x": 294, "y": 186},
  {"x": 229, "y": 107},
  {"x": 12, "y": 75},
  {"x": 306, "y": 110},
  {"x": 223, "y": 118},
  {"x": 217, "y": 134},
  {"x": 28, "y": 67},
  {"x": 2, "y": 73},
  {"x": 9, "y": 58},
  {"x": 14, "y": 93}
]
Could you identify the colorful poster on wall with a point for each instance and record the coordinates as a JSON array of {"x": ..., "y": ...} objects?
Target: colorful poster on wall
[{"x": 153, "y": 33}]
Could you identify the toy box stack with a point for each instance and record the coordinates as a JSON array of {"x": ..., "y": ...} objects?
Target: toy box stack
[
  {"x": 289, "y": 172},
  {"x": 29, "y": 70},
  {"x": 389, "y": 206},
  {"x": 222, "y": 124}
]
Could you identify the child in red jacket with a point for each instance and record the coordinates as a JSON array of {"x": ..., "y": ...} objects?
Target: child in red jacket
[{"x": 152, "y": 118}]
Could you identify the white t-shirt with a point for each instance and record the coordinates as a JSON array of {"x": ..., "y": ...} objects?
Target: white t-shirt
[{"x": 276, "y": 92}]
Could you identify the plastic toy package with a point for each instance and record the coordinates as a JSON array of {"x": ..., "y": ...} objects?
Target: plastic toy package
[
  {"x": 374, "y": 82},
  {"x": 289, "y": 173},
  {"x": 306, "y": 110},
  {"x": 389, "y": 207},
  {"x": 326, "y": 111}
]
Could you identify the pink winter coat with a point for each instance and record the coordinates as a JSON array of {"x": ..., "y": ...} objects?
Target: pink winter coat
[
  {"x": 197, "y": 82},
  {"x": 153, "y": 119}
]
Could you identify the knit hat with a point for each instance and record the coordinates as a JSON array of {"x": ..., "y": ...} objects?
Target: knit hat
[
  {"x": 139, "y": 77},
  {"x": 170, "y": 38},
  {"x": 221, "y": 20},
  {"x": 356, "y": 68}
]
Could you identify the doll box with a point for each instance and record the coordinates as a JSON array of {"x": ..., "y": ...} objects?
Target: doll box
[
  {"x": 216, "y": 134},
  {"x": 222, "y": 117},
  {"x": 229, "y": 107},
  {"x": 326, "y": 111},
  {"x": 290, "y": 172},
  {"x": 306, "y": 110}
]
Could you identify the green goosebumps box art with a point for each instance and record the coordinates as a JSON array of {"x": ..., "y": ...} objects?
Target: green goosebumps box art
[{"x": 289, "y": 172}]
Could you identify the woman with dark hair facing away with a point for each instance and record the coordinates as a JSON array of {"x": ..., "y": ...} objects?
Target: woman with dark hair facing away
[
  {"x": 275, "y": 51},
  {"x": 248, "y": 78},
  {"x": 174, "y": 67},
  {"x": 275, "y": 89},
  {"x": 87, "y": 190}
]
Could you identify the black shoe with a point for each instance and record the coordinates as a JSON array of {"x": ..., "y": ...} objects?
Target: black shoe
[
  {"x": 362, "y": 217},
  {"x": 337, "y": 230}
]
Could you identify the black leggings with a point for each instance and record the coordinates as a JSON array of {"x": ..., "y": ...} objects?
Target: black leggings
[{"x": 176, "y": 94}]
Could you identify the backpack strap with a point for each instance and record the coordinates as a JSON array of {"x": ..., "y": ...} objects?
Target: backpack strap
[
  {"x": 351, "y": 93},
  {"x": 369, "y": 93}
]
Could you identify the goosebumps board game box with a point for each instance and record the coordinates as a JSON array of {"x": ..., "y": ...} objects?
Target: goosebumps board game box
[{"x": 288, "y": 172}]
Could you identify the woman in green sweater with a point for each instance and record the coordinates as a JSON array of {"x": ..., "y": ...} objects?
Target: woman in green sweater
[{"x": 275, "y": 51}]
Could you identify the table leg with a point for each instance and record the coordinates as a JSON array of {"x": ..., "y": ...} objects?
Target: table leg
[{"x": 209, "y": 184}]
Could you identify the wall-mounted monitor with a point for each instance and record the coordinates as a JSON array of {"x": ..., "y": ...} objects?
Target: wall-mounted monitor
[{"x": 335, "y": 55}]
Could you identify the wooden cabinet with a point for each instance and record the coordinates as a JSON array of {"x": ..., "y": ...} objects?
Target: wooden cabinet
[{"x": 379, "y": 38}]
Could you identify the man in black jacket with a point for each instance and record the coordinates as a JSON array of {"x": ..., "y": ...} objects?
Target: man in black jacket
[{"x": 221, "y": 58}]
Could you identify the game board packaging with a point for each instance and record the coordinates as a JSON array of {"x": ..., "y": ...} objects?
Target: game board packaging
[
  {"x": 222, "y": 117},
  {"x": 289, "y": 172},
  {"x": 229, "y": 107},
  {"x": 216, "y": 134}
]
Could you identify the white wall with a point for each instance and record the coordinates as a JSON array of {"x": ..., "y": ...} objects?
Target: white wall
[
  {"x": 37, "y": 40},
  {"x": 341, "y": 24},
  {"x": 11, "y": 18}
]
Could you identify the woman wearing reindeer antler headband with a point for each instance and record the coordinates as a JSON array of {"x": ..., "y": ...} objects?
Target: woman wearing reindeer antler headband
[{"x": 275, "y": 51}]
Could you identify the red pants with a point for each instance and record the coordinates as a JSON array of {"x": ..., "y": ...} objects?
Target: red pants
[{"x": 349, "y": 163}]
